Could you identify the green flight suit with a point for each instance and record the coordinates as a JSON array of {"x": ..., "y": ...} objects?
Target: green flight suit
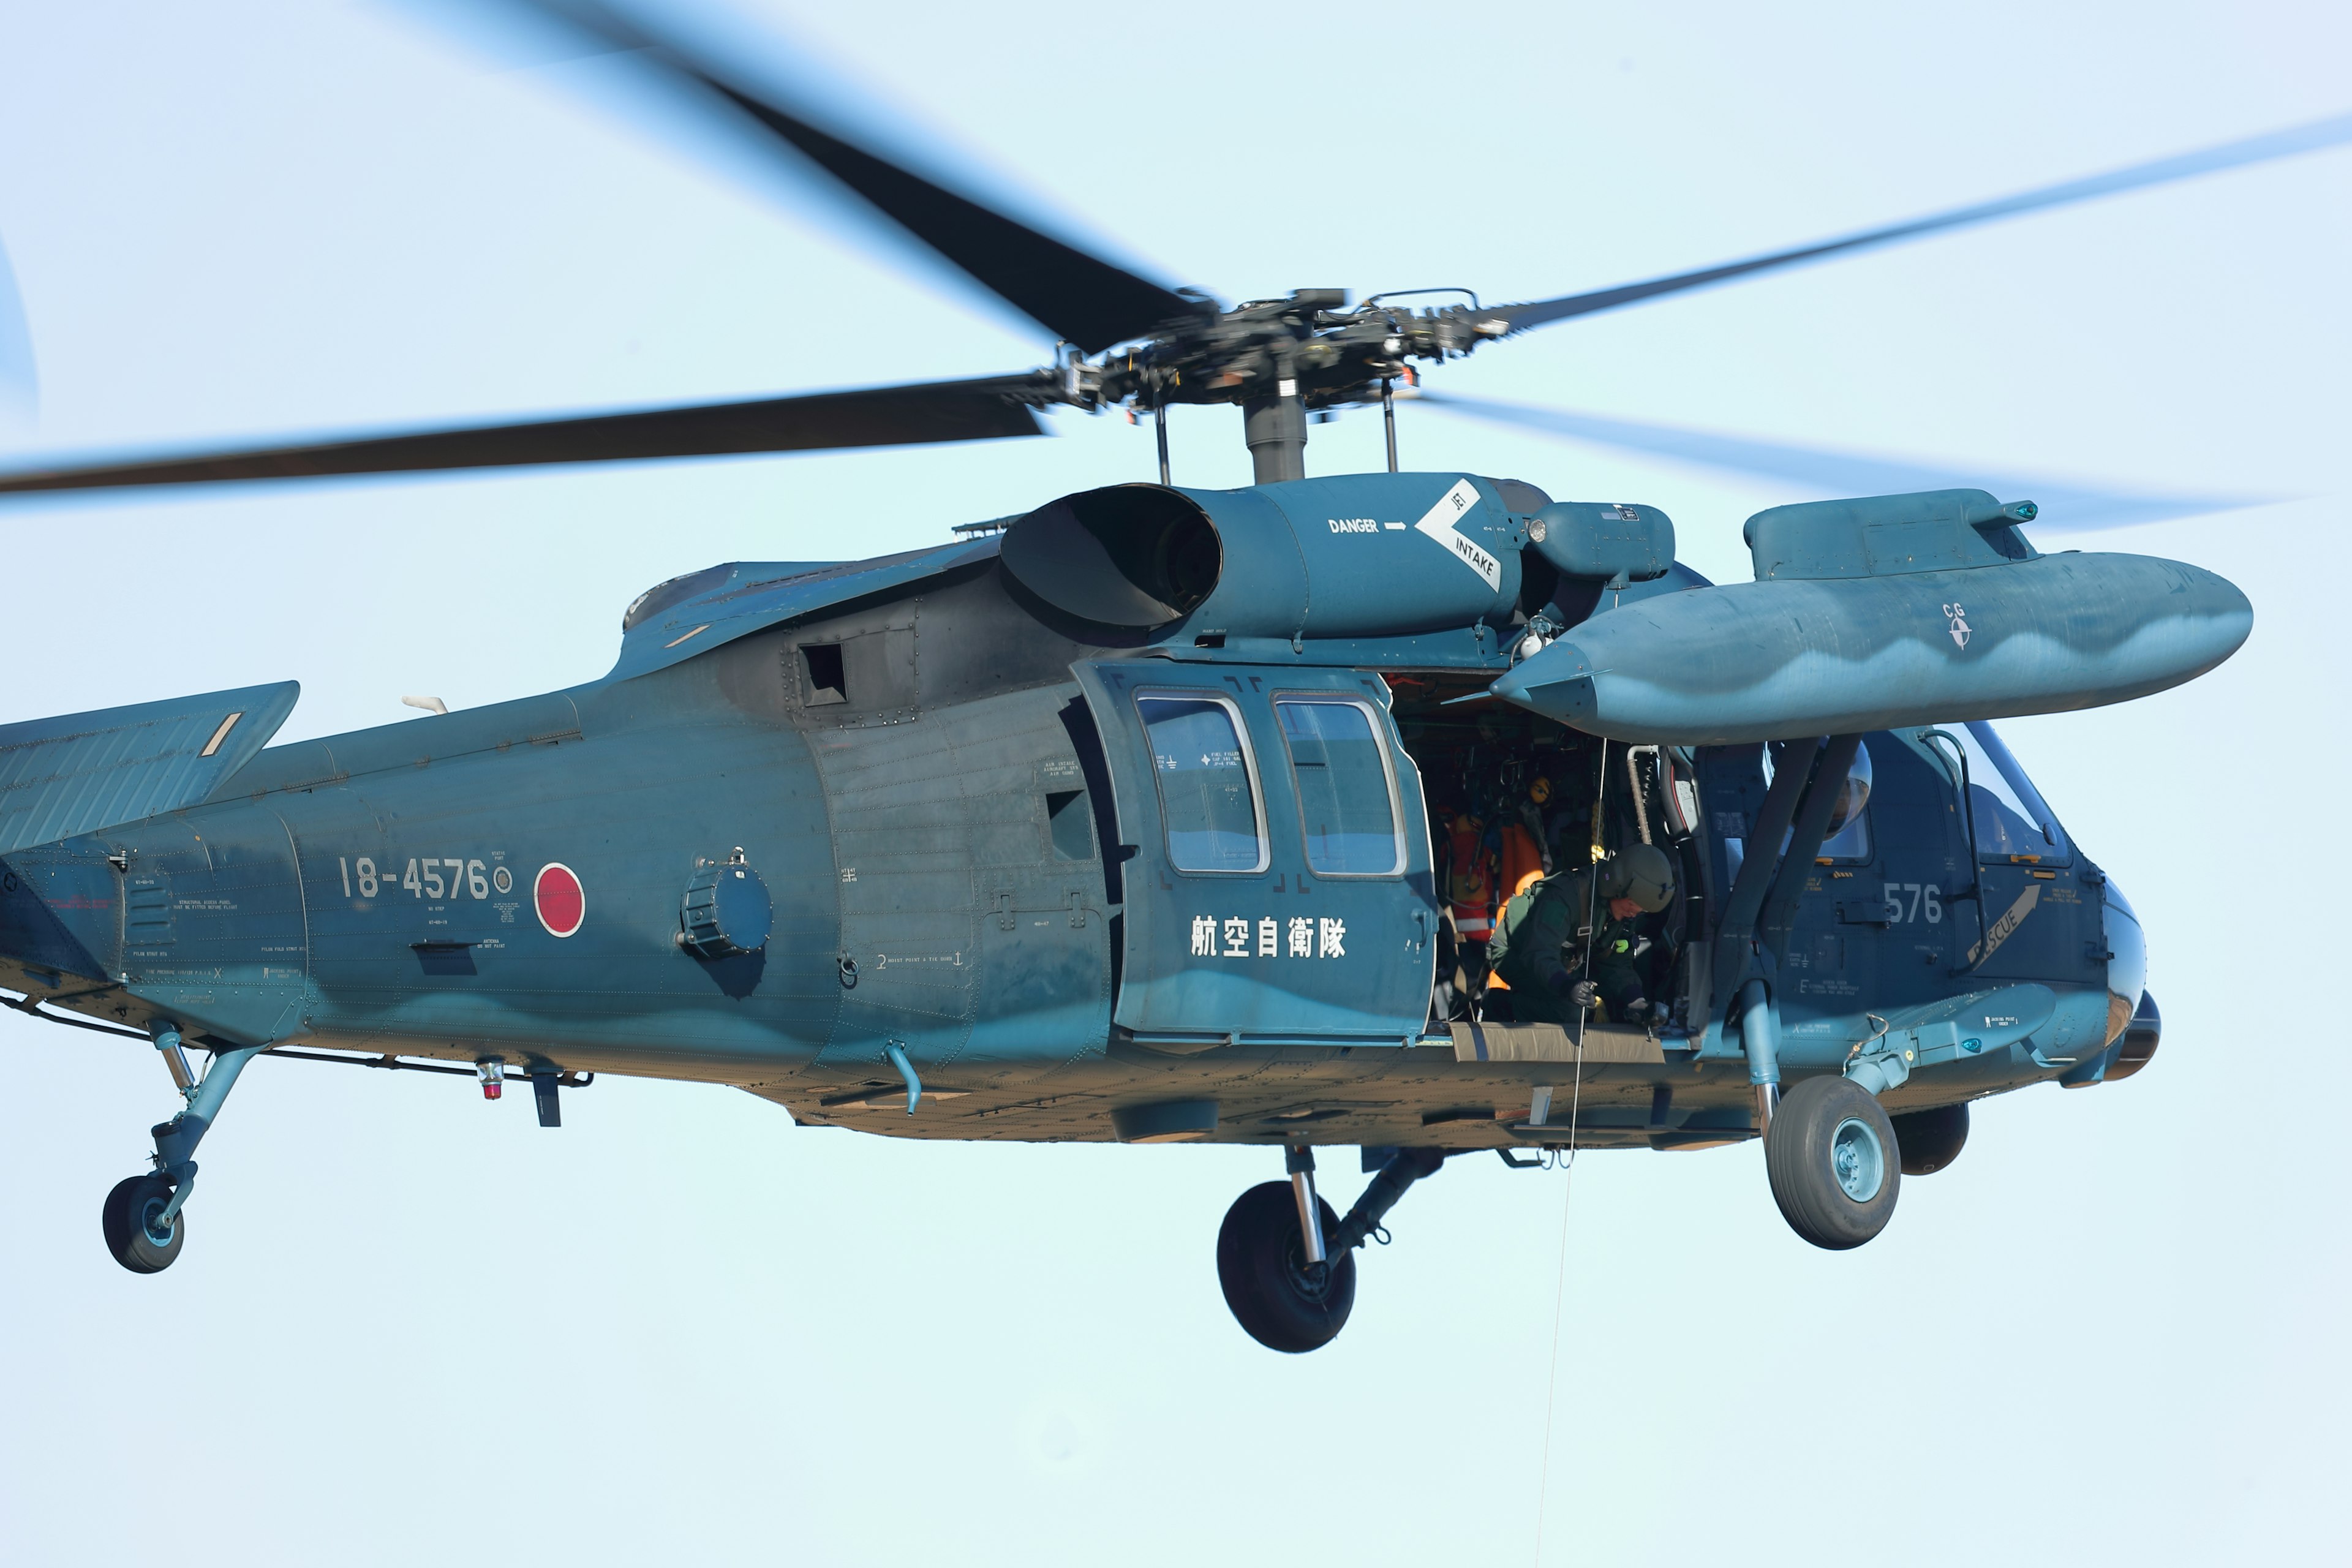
[{"x": 1539, "y": 951}]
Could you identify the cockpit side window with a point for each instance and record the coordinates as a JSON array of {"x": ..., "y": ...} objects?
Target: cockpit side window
[
  {"x": 2012, "y": 821},
  {"x": 2013, "y": 825},
  {"x": 1850, "y": 842},
  {"x": 1848, "y": 838}
]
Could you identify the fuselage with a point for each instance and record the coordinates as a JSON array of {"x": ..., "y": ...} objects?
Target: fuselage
[{"x": 925, "y": 782}]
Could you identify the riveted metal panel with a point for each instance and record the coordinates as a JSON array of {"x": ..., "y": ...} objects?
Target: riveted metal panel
[{"x": 972, "y": 940}]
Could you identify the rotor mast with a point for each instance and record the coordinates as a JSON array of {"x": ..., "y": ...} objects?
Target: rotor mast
[
  {"x": 1276, "y": 429},
  {"x": 1277, "y": 359}
]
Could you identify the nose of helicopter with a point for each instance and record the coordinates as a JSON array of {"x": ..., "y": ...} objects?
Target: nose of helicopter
[{"x": 2126, "y": 960}]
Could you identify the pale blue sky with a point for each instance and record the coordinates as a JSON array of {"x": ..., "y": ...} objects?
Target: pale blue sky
[{"x": 411, "y": 1327}]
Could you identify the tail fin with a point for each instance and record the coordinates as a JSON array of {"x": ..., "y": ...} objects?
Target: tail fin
[{"x": 79, "y": 772}]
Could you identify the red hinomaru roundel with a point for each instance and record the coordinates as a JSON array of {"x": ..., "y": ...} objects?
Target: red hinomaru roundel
[{"x": 561, "y": 901}]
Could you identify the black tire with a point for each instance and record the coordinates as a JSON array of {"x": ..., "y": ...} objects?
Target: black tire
[
  {"x": 1931, "y": 1139},
  {"x": 129, "y": 1209},
  {"x": 1261, "y": 1263},
  {"x": 1835, "y": 1163}
]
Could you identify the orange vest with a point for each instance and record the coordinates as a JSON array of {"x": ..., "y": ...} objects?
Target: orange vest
[
  {"x": 1470, "y": 881},
  {"x": 1522, "y": 863}
]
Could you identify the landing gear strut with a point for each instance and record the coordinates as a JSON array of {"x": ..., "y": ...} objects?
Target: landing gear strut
[
  {"x": 142, "y": 1221},
  {"x": 1288, "y": 1264}
]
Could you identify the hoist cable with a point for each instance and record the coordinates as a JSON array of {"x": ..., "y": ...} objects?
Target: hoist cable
[{"x": 1568, "y": 1167}]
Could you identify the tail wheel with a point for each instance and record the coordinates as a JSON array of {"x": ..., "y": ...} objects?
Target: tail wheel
[
  {"x": 1279, "y": 1299},
  {"x": 1833, "y": 1162},
  {"x": 135, "y": 1234}
]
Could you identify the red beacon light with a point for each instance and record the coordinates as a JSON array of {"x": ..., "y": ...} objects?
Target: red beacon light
[{"x": 493, "y": 1073}]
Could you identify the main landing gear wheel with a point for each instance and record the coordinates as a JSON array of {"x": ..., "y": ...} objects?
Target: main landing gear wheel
[
  {"x": 133, "y": 1235},
  {"x": 1277, "y": 1299},
  {"x": 1833, "y": 1162}
]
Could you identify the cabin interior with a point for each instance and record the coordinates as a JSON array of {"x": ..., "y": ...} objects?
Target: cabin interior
[{"x": 1514, "y": 798}]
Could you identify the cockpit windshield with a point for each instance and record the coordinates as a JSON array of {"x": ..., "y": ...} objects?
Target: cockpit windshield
[{"x": 2012, "y": 821}]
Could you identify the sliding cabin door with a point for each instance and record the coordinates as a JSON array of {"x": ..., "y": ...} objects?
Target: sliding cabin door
[{"x": 1277, "y": 870}]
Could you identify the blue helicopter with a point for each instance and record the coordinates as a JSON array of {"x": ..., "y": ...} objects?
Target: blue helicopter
[{"x": 1159, "y": 814}]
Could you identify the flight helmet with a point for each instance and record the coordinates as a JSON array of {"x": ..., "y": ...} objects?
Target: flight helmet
[{"x": 1643, "y": 873}]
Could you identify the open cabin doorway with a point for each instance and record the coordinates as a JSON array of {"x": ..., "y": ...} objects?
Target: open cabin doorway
[{"x": 1513, "y": 798}]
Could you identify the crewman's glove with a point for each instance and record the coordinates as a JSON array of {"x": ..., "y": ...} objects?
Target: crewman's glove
[{"x": 1584, "y": 994}]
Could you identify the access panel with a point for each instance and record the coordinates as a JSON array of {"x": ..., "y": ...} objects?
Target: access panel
[{"x": 1278, "y": 855}]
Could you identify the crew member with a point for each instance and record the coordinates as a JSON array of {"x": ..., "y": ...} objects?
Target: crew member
[{"x": 1543, "y": 938}]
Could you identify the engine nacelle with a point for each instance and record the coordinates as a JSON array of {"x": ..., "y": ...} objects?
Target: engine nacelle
[{"x": 1359, "y": 556}]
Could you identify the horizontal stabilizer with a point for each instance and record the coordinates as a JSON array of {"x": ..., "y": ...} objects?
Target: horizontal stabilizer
[{"x": 80, "y": 772}]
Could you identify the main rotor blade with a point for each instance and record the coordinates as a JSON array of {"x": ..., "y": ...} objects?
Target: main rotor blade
[
  {"x": 1079, "y": 296},
  {"x": 2308, "y": 138},
  {"x": 1819, "y": 472},
  {"x": 980, "y": 410}
]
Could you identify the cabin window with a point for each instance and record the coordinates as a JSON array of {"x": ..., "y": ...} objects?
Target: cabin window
[
  {"x": 1066, "y": 821},
  {"x": 1346, "y": 796},
  {"x": 822, "y": 680},
  {"x": 1207, "y": 796}
]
